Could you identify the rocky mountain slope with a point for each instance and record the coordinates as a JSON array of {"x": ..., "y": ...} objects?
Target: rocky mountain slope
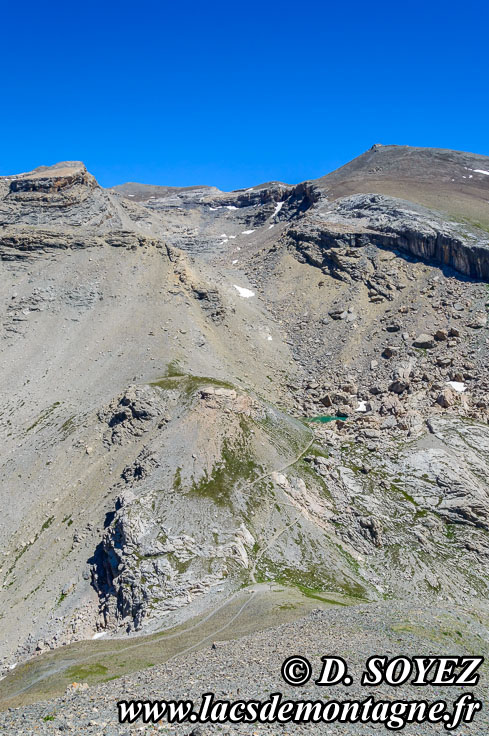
[
  {"x": 163, "y": 351},
  {"x": 453, "y": 182}
]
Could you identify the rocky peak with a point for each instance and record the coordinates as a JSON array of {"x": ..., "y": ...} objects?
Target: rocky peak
[{"x": 52, "y": 179}]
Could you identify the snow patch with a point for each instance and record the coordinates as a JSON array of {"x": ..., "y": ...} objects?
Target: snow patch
[
  {"x": 246, "y": 293},
  {"x": 235, "y": 261},
  {"x": 247, "y": 232},
  {"x": 277, "y": 209},
  {"x": 457, "y": 386},
  {"x": 231, "y": 207},
  {"x": 99, "y": 635},
  {"x": 270, "y": 227},
  {"x": 362, "y": 406},
  {"x": 481, "y": 171}
]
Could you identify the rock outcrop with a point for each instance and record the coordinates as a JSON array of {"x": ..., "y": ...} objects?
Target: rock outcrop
[{"x": 358, "y": 221}]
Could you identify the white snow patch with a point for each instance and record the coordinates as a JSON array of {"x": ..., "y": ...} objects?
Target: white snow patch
[
  {"x": 277, "y": 209},
  {"x": 98, "y": 635},
  {"x": 246, "y": 293},
  {"x": 457, "y": 386},
  {"x": 130, "y": 195},
  {"x": 223, "y": 235},
  {"x": 269, "y": 337},
  {"x": 362, "y": 406},
  {"x": 235, "y": 261},
  {"x": 216, "y": 208},
  {"x": 13, "y": 666},
  {"x": 247, "y": 232},
  {"x": 232, "y": 237},
  {"x": 481, "y": 171},
  {"x": 231, "y": 207}
]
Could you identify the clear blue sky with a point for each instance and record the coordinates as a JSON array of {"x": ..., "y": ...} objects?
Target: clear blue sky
[{"x": 235, "y": 93}]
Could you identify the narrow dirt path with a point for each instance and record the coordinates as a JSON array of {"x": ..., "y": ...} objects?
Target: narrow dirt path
[{"x": 280, "y": 503}]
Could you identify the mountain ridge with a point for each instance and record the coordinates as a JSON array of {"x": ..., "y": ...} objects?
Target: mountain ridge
[{"x": 163, "y": 362}]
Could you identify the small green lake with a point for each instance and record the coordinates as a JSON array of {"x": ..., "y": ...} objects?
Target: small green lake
[{"x": 324, "y": 418}]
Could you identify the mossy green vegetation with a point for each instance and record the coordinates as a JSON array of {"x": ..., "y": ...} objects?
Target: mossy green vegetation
[
  {"x": 44, "y": 415},
  {"x": 187, "y": 384},
  {"x": 463, "y": 220},
  {"x": 85, "y": 672},
  {"x": 173, "y": 369},
  {"x": 236, "y": 464},
  {"x": 61, "y": 599},
  {"x": 68, "y": 427},
  {"x": 310, "y": 582}
]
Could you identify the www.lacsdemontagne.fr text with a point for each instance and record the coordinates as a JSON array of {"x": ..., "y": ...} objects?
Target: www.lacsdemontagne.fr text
[{"x": 393, "y": 714}]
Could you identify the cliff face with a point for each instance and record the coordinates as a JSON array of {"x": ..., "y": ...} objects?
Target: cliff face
[
  {"x": 360, "y": 220},
  {"x": 53, "y": 179}
]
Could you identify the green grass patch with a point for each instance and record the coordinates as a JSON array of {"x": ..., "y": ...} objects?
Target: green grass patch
[
  {"x": 236, "y": 465},
  {"x": 83, "y": 672}
]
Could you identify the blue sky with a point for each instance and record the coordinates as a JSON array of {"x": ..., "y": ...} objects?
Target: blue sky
[{"x": 233, "y": 94}]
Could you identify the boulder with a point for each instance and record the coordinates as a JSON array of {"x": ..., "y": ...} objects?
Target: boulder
[
  {"x": 338, "y": 314},
  {"x": 446, "y": 398},
  {"x": 398, "y": 387},
  {"x": 424, "y": 341},
  {"x": 478, "y": 321}
]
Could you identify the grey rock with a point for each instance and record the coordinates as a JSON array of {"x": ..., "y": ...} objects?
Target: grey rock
[{"x": 424, "y": 341}]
